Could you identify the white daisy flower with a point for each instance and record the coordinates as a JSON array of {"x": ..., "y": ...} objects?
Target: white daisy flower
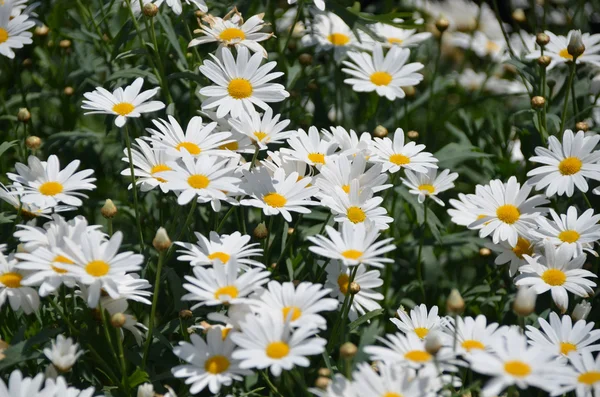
[
  {"x": 44, "y": 183},
  {"x": 338, "y": 280},
  {"x": 341, "y": 170},
  {"x": 393, "y": 36},
  {"x": 279, "y": 194},
  {"x": 222, "y": 284},
  {"x": 60, "y": 388},
  {"x": 262, "y": 130},
  {"x": 276, "y": 160},
  {"x": 240, "y": 83},
  {"x": 397, "y": 155},
  {"x": 507, "y": 211},
  {"x": 388, "y": 381},
  {"x": 132, "y": 287},
  {"x": 386, "y": 75},
  {"x": 429, "y": 184},
  {"x": 353, "y": 245},
  {"x": 420, "y": 321},
  {"x": 208, "y": 363},
  {"x": 63, "y": 354},
  {"x": 19, "y": 386},
  {"x": 561, "y": 338},
  {"x": 349, "y": 142},
  {"x": 473, "y": 334},
  {"x": 330, "y": 32},
  {"x": 567, "y": 164},
  {"x": 513, "y": 254},
  {"x": 123, "y": 103},
  {"x": 18, "y": 295},
  {"x": 177, "y": 5},
  {"x": 583, "y": 376},
  {"x": 221, "y": 248},
  {"x": 356, "y": 206},
  {"x": 556, "y": 49},
  {"x": 465, "y": 211},
  {"x": 266, "y": 341},
  {"x": 557, "y": 272},
  {"x": 11, "y": 194},
  {"x": 147, "y": 162},
  {"x": 13, "y": 31},
  {"x": 42, "y": 270},
  {"x": 232, "y": 31},
  {"x": 300, "y": 305},
  {"x": 320, "y": 4},
  {"x": 481, "y": 44},
  {"x": 310, "y": 148}
]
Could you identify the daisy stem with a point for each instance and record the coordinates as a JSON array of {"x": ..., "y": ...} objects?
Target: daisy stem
[
  {"x": 421, "y": 241},
  {"x": 110, "y": 227},
  {"x": 72, "y": 329},
  {"x": 567, "y": 91},
  {"x": 107, "y": 369},
  {"x": 122, "y": 359},
  {"x": 290, "y": 239},
  {"x": 298, "y": 14},
  {"x": 344, "y": 310},
  {"x": 587, "y": 200},
  {"x": 271, "y": 385},
  {"x": 107, "y": 336},
  {"x": 161, "y": 67},
  {"x": 254, "y": 157},
  {"x": 134, "y": 188},
  {"x": 225, "y": 218},
  {"x": 161, "y": 259},
  {"x": 268, "y": 242}
]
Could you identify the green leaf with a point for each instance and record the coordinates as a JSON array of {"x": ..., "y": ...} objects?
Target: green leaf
[
  {"x": 187, "y": 76},
  {"x": 6, "y": 145},
  {"x": 133, "y": 73},
  {"x": 454, "y": 153},
  {"x": 364, "y": 318},
  {"x": 138, "y": 377},
  {"x": 171, "y": 36}
]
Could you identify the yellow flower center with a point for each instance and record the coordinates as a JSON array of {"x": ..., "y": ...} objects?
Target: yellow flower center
[
  {"x": 346, "y": 188},
  {"x": 399, "y": 159},
  {"x": 51, "y": 188},
  {"x": 278, "y": 350},
  {"x": 394, "y": 40},
  {"x": 352, "y": 254},
  {"x": 160, "y": 168},
  {"x": 517, "y": 368},
  {"x": 392, "y": 394},
  {"x": 3, "y": 35},
  {"x": 381, "y": 78},
  {"x": 356, "y": 215},
  {"x": 260, "y": 135},
  {"x": 225, "y": 332},
  {"x": 554, "y": 277},
  {"x": 508, "y": 213},
  {"x": 230, "y": 146},
  {"x": 318, "y": 158},
  {"x": 338, "y": 39},
  {"x": 569, "y": 166},
  {"x": 419, "y": 356},
  {"x": 11, "y": 279},
  {"x": 471, "y": 344},
  {"x": 97, "y": 268},
  {"x": 566, "y": 348},
  {"x": 230, "y": 290},
  {"x": 492, "y": 47},
  {"x": 198, "y": 181},
  {"x": 427, "y": 187},
  {"x": 589, "y": 378},
  {"x": 61, "y": 259},
  {"x": 191, "y": 147},
  {"x": 523, "y": 247},
  {"x": 275, "y": 200},
  {"x": 216, "y": 364},
  {"x": 239, "y": 88},
  {"x": 222, "y": 256},
  {"x": 564, "y": 53},
  {"x": 232, "y": 34},
  {"x": 568, "y": 236},
  {"x": 295, "y": 310},
  {"x": 421, "y": 332},
  {"x": 123, "y": 108},
  {"x": 343, "y": 282}
]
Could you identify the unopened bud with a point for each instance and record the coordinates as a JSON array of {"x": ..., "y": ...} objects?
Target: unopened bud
[
  {"x": 519, "y": 15},
  {"x": 322, "y": 371},
  {"x": 23, "y": 115},
  {"x": 409, "y": 91},
  {"x": 185, "y": 313},
  {"x": 64, "y": 43},
  {"x": 412, "y": 134},
  {"x": 27, "y": 62},
  {"x": 322, "y": 382},
  {"x": 348, "y": 350},
  {"x": 291, "y": 231},
  {"x": 581, "y": 311},
  {"x": 380, "y": 131},
  {"x": 199, "y": 14},
  {"x": 118, "y": 320},
  {"x": 538, "y": 102},
  {"x": 433, "y": 342},
  {"x": 33, "y": 142},
  {"x": 442, "y": 24},
  {"x": 354, "y": 288},
  {"x": 582, "y": 126},
  {"x": 145, "y": 390},
  {"x": 161, "y": 241},
  {"x": 150, "y": 10},
  {"x": 305, "y": 59},
  {"x": 485, "y": 251},
  {"x": 455, "y": 303},
  {"x": 524, "y": 303},
  {"x": 575, "y": 47},
  {"x": 41, "y": 30},
  {"x": 68, "y": 91},
  {"x": 260, "y": 231},
  {"x": 544, "y": 61},
  {"x": 109, "y": 209},
  {"x": 542, "y": 39}
]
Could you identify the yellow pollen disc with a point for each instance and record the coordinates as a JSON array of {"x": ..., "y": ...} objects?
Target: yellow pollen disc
[
  {"x": 421, "y": 332},
  {"x": 589, "y": 378},
  {"x": 216, "y": 364},
  {"x": 275, "y": 200},
  {"x": 230, "y": 146},
  {"x": 381, "y": 78},
  {"x": 490, "y": 46},
  {"x": 554, "y": 277},
  {"x": 61, "y": 259},
  {"x": 427, "y": 187},
  {"x": 356, "y": 215},
  {"x": 232, "y": 34},
  {"x": 394, "y": 40},
  {"x": 198, "y": 181},
  {"x": 296, "y": 312},
  {"x": 517, "y": 368},
  {"x": 191, "y": 147},
  {"x": 338, "y": 39},
  {"x": 239, "y": 88},
  {"x": 568, "y": 236},
  {"x": 346, "y": 188},
  {"x": 318, "y": 158},
  {"x": 523, "y": 247},
  {"x": 3, "y": 35},
  {"x": 123, "y": 108},
  {"x": 508, "y": 213},
  {"x": 222, "y": 256},
  {"x": 230, "y": 290},
  {"x": 225, "y": 332},
  {"x": 352, "y": 254},
  {"x": 399, "y": 159},
  {"x": 392, "y": 394},
  {"x": 570, "y": 166},
  {"x": 159, "y": 168},
  {"x": 566, "y": 348},
  {"x": 420, "y": 356},
  {"x": 277, "y": 350},
  {"x": 564, "y": 53},
  {"x": 471, "y": 344},
  {"x": 260, "y": 135},
  {"x": 343, "y": 282},
  {"x": 11, "y": 279},
  {"x": 51, "y": 188},
  {"x": 97, "y": 268}
]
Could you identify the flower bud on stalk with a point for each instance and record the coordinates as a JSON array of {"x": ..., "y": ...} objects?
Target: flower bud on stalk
[
  {"x": 118, "y": 320},
  {"x": 455, "y": 303},
  {"x": 524, "y": 303},
  {"x": 260, "y": 231},
  {"x": 326, "y": 372},
  {"x": 538, "y": 102},
  {"x": 354, "y": 288},
  {"x": 161, "y": 241},
  {"x": 108, "y": 210},
  {"x": 544, "y": 61},
  {"x": 23, "y": 115},
  {"x": 581, "y": 311},
  {"x": 33, "y": 142},
  {"x": 542, "y": 39},
  {"x": 485, "y": 251},
  {"x": 442, "y": 24},
  {"x": 575, "y": 47},
  {"x": 185, "y": 313},
  {"x": 348, "y": 350},
  {"x": 150, "y": 10},
  {"x": 380, "y": 131},
  {"x": 412, "y": 134},
  {"x": 519, "y": 15},
  {"x": 68, "y": 91},
  {"x": 322, "y": 382},
  {"x": 582, "y": 126}
]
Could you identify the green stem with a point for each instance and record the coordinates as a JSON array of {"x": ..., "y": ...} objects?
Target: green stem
[
  {"x": 161, "y": 67},
  {"x": 291, "y": 33},
  {"x": 343, "y": 313},
  {"x": 110, "y": 227},
  {"x": 134, "y": 188},
  {"x": 106, "y": 331},
  {"x": 188, "y": 220},
  {"x": 421, "y": 241},
  {"x": 271, "y": 385},
  {"x": 122, "y": 359},
  {"x": 567, "y": 91},
  {"x": 161, "y": 258},
  {"x": 587, "y": 200}
]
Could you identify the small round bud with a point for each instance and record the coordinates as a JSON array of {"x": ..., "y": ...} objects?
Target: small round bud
[
  {"x": 291, "y": 231},
  {"x": 41, "y": 30},
  {"x": 519, "y": 15},
  {"x": 273, "y": 265},
  {"x": 150, "y": 10},
  {"x": 581, "y": 311},
  {"x": 322, "y": 371},
  {"x": 118, "y": 320},
  {"x": 433, "y": 343},
  {"x": 68, "y": 91},
  {"x": 27, "y": 62},
  {"x": 485, "y": 251},
  {"x": 161, "y": 241},
  {"x": 455, "y": 303},
  {"x": 524, "y": 303},
  {"x": 64, "y": 43},
  {"x": 305, "y": 59},
  {"x": 199, "y": 14},
  {"x": 23, "y": 115},
  {"x": 544, "y": 61},
  {"x": 542, "y": 39},
  {"x": 582, "y": 126},
  {"x": 354, "y": 288},
  {"x": 575, "y": 47},
  {"x": 348, "y": 350},
  {"x": 109, "y": 209},
  {"x": 33, "y": 142},
  {"x": 292, "y": 46},
  {"x": 442, "y": 24},
  {"x": 105, "y": 37},
  {"x": 260, "y": 231},
  {"x": 412, "y": 134},
  {"x": 538, "y": 102},
  {"x": 380, "y": 131},
  {"x": 185, "y": 313},
  {"x": 145, "y": 390},
  {"x": 409, "y": 91},
  {"x": 322, "y": 382}
]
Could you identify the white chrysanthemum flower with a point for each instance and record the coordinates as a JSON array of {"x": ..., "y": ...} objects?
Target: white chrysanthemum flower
[
  {"x": 11, "y": 196},
  {"x": 123, "y": 103},
  {"x": 42, "y": 270},
  {"x": 222, "y": 248},
  {"x": 465, "y": 211},
  {"x": 310, "y": 148},
  {"x": 262, "y": 130},
  {"x": 59, "y": 388},
  {"x": 349, "y": 142},
  {"x": 429, "y": 184},
  {"x": 388, "y": 381},
  {"x": 19, "y": 386},
  {"x": 482, "y": 45},
  {"x": 63, "y": 354},
  {"x": 393, "y": 36},
  {"x": 132, "y": 287},
  {"x": 276, "y": 160},
  {"x": 556, "y": 49},
  {"x": 147, "y": 161},
  {"x": 177, "y": 5},
  {"x": 222, "y": 284},
  {"x": 472, "y": 334},
  {"x": 557, "y": 272},
  {"x": 513, "y": 254},
  {"x": 44, "y": 183},
  {"x": 279, "y": 194},
  {"x": 240, "y": 83},
  {"x": 300, "y": 305},
  {"x": 353, "y": 245},
  {"x": 566, "y": 165},
  {"x": 266, "y": 341},
  {"x": 208, "y": 363},
  {"x": 329, "y": 32},
  {"x": 13, "y": 31},
  {"x": 232, "y": 31},
  {"x": 583, "y": 376},
  {"x": 420, "y": 322},
  {"x": 18, "y": 295},
  {"x": 568, "y": 230},
  {"x": 320, "y": 4},
  {"x": 341, "y": 170},
  {"x": 338, "y": 280},
  {"x": 339, "y": 386},
  {"x": 508, "y": 212},
  {"x": 386, "y": 75},
  {"x": 397, "y": 155},
  {"x": 236, "y": 313}
]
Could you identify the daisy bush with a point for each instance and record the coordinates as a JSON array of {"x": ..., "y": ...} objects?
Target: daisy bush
[{"x": 299, "y": 198}]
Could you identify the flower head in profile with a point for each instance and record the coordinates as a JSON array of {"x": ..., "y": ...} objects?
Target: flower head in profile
[
  {"x": 391, "y": 36},
  {"x": 429, "y": 184},
  {"x": 63, "y": 353},
  {"x": 329, "y": 32},
  {"x": 514, "y": 254},
  {"x": 13, "y": 29},
  {"x": 341, "y": 170},
  {"x": 389, "y": 380}
]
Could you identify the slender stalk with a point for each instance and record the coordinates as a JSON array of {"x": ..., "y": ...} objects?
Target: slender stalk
[
  {"x": 298, "y": 14},
  {"x": 122, "y": 358},
  {"x": 290, "y": 239},
  {"x": 343, "y": 313},
  {"x": 271, "y": 385},
  {"x": 587, "y": 200},
  {"x": 421, "y": 241},
  {"x": 134, "y": 188},
  {"x": 567, "y": 91},
  {"x": 110, "y": 227},
  {"x": 188, "y": 220},
  {"x": 161, "y": 259},
  {"x": 107, "y": 336},
  {"x": 161, "y": 67}
]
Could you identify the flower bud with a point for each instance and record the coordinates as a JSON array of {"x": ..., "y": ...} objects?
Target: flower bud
[
  {"x": 544, "y": 61},
  {"x": 290, "y": 231},
  {"x": 542, "y": 39},
  {"x": 455, "y": 303},
  {"x": 348, "y": 350},
  {"x": 322, "y": 371},
  {"x": 185, "y": 313},
  {"x": 118, "y": 320},
  {"x": 485, "y": 251},
  {"x": 33, "y": 142},
  {"x": 41, "y": 30},
  {"x": 199, "y": 14},
  {"x": 519, "y": 15},
  {"x": 581, "y": 311},
  {"x": 412, "y": 134},
  {"x": 524, "y": 303},
  {"x": 380, "y": 131},
  {"x": 538, "y": 102},
  {"x": 322, "y": 382},
  {"x": 305, "y": 59},
  {"x": 582, "y": 126},
  {"x": 150, "y": 10},
  {"x": 64, "y": 44},
  {"x": 442, "y": 24},
  {"x": 68, "y": 91},
  {"x": 108, "y": 210},
  {"x": 433, "y": 342},
  {"x": 27, "y": 62},
  {"x": 23, "y": 115},
  {"x": 260, "y": 231},
  {"x": 161, "y": 241},
  {"x": 354, "y": 288},
  {"x": 410, "y": 91},
  {"x": 146, "y": 390},
  {"x": 575, "y": 47}
]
